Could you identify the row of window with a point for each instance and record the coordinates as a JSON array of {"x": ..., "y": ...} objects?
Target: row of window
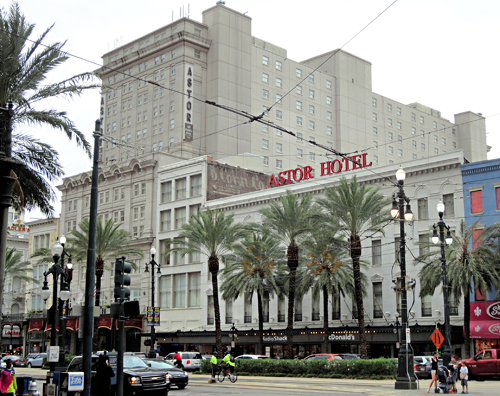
[
  {"x": 179, "y": 217},
  {"x": 298, "y": 103},
  {"x": 312, "y": 126},
  {"x": 180, "y": 290},
  {"x": 180, "y": 188}
]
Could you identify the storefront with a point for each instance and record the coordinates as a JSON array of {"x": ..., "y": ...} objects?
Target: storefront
[
  {"x": 485, "y": 324},
  {"x": 11, "y": 337},
  {"x": 36, "y": 340},
  {"x": 106, "y": 335}
]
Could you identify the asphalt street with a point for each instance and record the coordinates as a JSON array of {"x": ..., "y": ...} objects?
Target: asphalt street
[{"x": 261, "y": 386}]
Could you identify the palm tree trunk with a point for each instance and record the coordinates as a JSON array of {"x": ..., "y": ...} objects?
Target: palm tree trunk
[
  {"x": 293, "y": 263},
  {"x": 261, "y": 324},
  {"x": 355, "y": 252},
  {"x": 213, "y": 267},
  {"x": 324, "y": 346},
  {"x": 467, "y": 324}
]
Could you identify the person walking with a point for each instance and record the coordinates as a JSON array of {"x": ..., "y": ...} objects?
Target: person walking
[
  {"x": 213, "y": 366},
  {"x": 178, "y": 360},
  {"x": 453, "y": 371},
  {"x": 103, "y": 376},
  {"x": 434, "y": 376},
  {"x": 8, "y": 382},
  {"x": 464, "y": 378}
]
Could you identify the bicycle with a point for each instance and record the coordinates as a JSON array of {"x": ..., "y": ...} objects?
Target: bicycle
[{"x": 226, "y": 372}]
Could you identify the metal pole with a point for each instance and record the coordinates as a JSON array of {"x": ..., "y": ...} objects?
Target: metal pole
[
  {"x": 60, "y": 314},
  {"x": 55, "y": 314},
  {"x": 152, "y": 352},
  {"x": 119, "y": 363},
  {"x": 88, "y": 324},
  {"x": 447, "y": 351}
]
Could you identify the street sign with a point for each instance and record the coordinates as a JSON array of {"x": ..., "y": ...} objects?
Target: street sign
[
  {"x": 437, "y": 338},
  {"x": 53, "y": 354},
  {"x": 408, "y": 339}
]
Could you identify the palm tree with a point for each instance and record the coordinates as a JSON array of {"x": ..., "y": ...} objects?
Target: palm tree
[
  {"x": 256, "y": 267},
  {"x": 25, "y": 63},
  {"x": 290, "y": 219},
  {"x": 111, "y": 242},
  {"x": 213, "y": 234},
  {"x": 17, "y": 269},
  {"x": 356, "y": 210},
  {"x": 470, "y": 265},
  {"x": 327, "y": 272}
]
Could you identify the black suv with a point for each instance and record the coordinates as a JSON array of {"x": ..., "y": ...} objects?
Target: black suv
[{"x": 138, "y": 378}]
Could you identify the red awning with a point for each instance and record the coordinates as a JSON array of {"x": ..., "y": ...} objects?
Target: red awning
[
  {"x": 105, "y": 322},
  {"x": 36, "y": 325},
  {"x": 485, "y": 329},
  {"x": 135, "y": 323},
  {"x": 49, "y": 327},
  {"x": 71, "y": 324}
]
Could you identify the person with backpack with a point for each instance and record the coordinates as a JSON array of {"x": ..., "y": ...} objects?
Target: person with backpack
[
  {"x": 8, "y": 382},
  {"x": 229, "y": 361}
]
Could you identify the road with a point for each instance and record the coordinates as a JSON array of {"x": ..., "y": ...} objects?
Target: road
[{"x": 263, "y": 386}]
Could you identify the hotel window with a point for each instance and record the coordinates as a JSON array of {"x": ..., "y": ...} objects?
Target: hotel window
[
  {"x": 400, "y": 139},
  {"x": 179, "y": 292},
  {"x": 173, "y": 54},
  {"x": 311, "y": 94},
  {"x": 299, "y": 121},
  {"x": 311, "y": 125},
  {"x": 172, "y": 124},
  {"x": 391, "y": 150},
  {"x": 435, "y": 138},
  {"x": 374, "y": 116},
  {"x": 265, "y": 77},
  {"x": 170, "y": 142},
  {"x": 454, "y": 145},
  {"x": 279, "y": 147},
  {"x": 265, "y": 143},
  {"x": 265, "y": 60},
  {"x": 449, "y": 205},
  {"x": 434, "y": 124},
  {"x": 298, "y": 105},
  {"x": 312, "y": 156},
  {"x": 122, "y": 193},
  {"x": 378, "y": 311},
  {"x": 399, "y": 125},
  {"x": 298, "y": 73},
  {"x": 375, "y": 144},
  {"x": 476, "y": 200},
  {"x": 375, "y": 159},
  {"x": 278, "y": 65},
  {"x": 389, "y": 107},
  {"x": 278, "y": 82},
  {"x": 136, "y": 213},
  {"x": 389, "y": 135},
  {"x": 328, "y": 100},
  {"x": 436, "y": 151},
  {"x": 398, "y": 110},
  {"x": 278, "y": 132},
  {"x": 421, "y": 119},
  {"x": 279, "y": 114},
  {"x": 328, "y": 84},
  {"x": 154, "y": 146},
  {"x": 414, "y": 156},
  {"x": 197, "y": 54},
  {"x": 328, "y": 130},
  {"x": 195, "y": 183},
  {"x": 162, "y": 109},
  {"x": 298, "y": 89},
  {"x": 329, "y": 145},
  {"x": 389, "y": 121},
  {"x": 443, "y": 141},
  {"x": 299, "y": 153},
  {"x": 311, "y": 109},
  {"x": 422, "y": 146},
  {"x": 180, "y": 188},
  {"x": 422, "y": 133},
  {"x": 172, "y": 105},
  {"x": 374, "y": 102},
  {"x": 166, "y": 192},
  {"x": 278, "y": 98},
  {"x": 426, "y": 303},
  {"x": 266, "y": 161},
  {"x": 312, "y": 139},
  {"x": 400, "y": 152},
  {"x": 413, "y": 116},
  {"x": 311, "y": 78},
  {"x": 194, "y": 289},
  {"x": 414, "y": 143},
  {"x": 413, "y": 130},
  {"x": 328, "y": 115},
  {"x": 279, "y": 164},
  {"x": 423, "y": 210},
  {"x": 299, "y": 137},
  {"x": 143, "y": 212},
  {"x": 180, "y": 217},
  {"x": 265, "y": 127}
]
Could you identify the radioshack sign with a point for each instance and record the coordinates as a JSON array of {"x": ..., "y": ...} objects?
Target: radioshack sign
[{"x": 327, "y": 168}]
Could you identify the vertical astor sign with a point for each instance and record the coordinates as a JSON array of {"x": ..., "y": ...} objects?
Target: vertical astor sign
[{"x": 188, "y": 102}]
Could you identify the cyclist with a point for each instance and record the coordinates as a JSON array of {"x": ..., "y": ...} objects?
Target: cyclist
[{"x": 229, "y": 361}]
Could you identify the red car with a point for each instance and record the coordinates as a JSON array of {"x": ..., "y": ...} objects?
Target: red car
[{"x": 324, "y": 356}]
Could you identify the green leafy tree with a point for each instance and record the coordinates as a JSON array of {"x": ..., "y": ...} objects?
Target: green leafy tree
[
  {"x": 111, "y": 242},
  {"x": 356, "y": 209},
  {"x": 290, "y": 219},
  {"x": 17, "y": 269},
  {"x": 469, "y": 264},
  {"x": 327, "y": 272},
  {"x": 256, "y": 267},
  {"x": 25, "y": 63},
  {"x": 213, "y": 234}
]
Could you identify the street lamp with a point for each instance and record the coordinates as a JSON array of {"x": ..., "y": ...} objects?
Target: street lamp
[
  {"x": 234, "y": 333},
  {"x": 153, "y": 263},
  {"x": 448, "y": 240},
  {"x": 406, "y": 376},
  {"x": 56, "y": 269}
]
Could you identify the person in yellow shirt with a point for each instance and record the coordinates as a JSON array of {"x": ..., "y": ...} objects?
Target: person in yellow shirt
[
  {"x": 229, "y": 361},
  {"x": 213, "y": 366}
]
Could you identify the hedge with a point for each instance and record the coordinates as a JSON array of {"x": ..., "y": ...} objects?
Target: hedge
[{"x": 355, "y": 368}]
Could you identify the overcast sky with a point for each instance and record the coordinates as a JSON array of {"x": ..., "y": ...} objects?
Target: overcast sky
[{"x": 441, "y": 53}]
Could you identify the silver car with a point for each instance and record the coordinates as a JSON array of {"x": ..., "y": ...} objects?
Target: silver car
[
  {"x": 36, "y": 361},
  {"x": 190, "y": 360}
]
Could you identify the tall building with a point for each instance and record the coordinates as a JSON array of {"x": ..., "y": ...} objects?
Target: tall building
[{"x": 165, "y": 100}]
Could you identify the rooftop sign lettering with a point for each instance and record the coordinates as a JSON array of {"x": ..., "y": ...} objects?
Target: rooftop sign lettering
[{"x": 327, "y": 168}]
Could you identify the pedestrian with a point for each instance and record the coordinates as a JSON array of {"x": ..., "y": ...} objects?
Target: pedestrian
[
  {"x": 464, "y": 378},
  {"x": 178, "y": 360},
  {"x": 434, "y": 376},
  {"x": 213, "y": 366},
  {"x": 8, "y": 382},
  {"x": 453, "y": 369},
  {"x": 103, "y": 376}
]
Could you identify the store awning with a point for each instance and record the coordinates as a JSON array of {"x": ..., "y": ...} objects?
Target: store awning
[
  {"x": 36, "y": 325},
  {"x": 485, "y": 329},
  {"x": 135, "y": 323},
  {"x": 72, "y": 324},
  {"x": 49, "y": 327},
  {"x": 105, "y": 322}
]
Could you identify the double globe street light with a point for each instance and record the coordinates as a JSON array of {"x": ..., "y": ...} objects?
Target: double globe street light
[
  {"x": 58, "y": 253},
  {"x": 153, "y": 263},
  {"x": 448, "y": 240}
]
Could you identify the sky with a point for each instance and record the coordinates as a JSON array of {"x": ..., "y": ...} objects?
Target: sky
[{"x": 440, "y": 53}]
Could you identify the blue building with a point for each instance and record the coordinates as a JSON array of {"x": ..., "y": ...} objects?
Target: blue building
[{"x": 481, "y": 187}]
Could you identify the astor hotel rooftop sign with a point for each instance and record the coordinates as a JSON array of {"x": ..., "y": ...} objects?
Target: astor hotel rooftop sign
[{"x": 327, "y": 168}]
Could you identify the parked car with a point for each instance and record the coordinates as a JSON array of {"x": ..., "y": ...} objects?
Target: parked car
[
  {"x": 484, "y": 364},
  {"x": 17, "y": 361},
  {"x": 206, "y": 357},
  {"x": 190, "y": 360},
  {"x": 251, "y": 357},
  {"x": 138, "y": 378},
  {"x": 349, "y": 356},
  {"x": 178, "y": 377},
  {"x": 423, "y": 370},
  {"x": 35, "y": 361},
  {"x": 324, "y": 356},
  {"x": 422, "y": 359}
]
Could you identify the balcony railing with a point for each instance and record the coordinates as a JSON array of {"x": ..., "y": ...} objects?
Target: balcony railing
[
  {"x": 426, "y": 311},
  {"x": 281, "y": 317},
  {"x": 35, "y": 315},
  {"x": 335, "y": 315},
  {"x": 13, "y": 317},
  {"x": 248, "y": 318},
  {"x": 315, "y": 316},
  {"x": 298, "y": 317},
  {"x": 210, "y": 321},
  {"x": 377, "y": 313},
  {"x": 229, "y": 319},
  {"x": 453, "y": 311}
]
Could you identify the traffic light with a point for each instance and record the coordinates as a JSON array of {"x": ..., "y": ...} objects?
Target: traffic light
[{"x": 121, "y": 279}]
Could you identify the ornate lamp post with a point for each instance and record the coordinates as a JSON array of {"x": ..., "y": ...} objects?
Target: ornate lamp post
[
  {"x": 449, "y": 240},
  {"x": 64, "y": 279},
  {"x": 55, "y": 270},
  {"x": 153, "y": 263},
  {"x": 406, "y": 375},
  {"x": 234, "y": 333}
]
